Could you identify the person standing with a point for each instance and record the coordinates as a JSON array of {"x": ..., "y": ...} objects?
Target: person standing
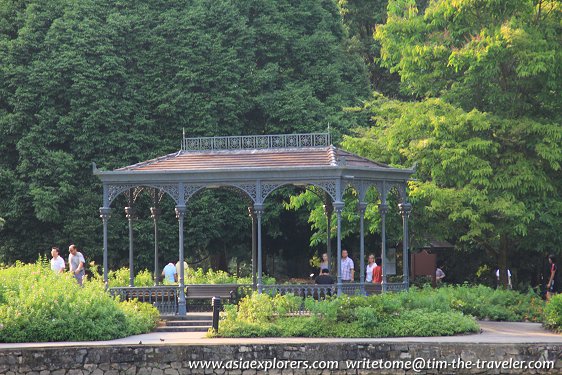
[
  {"x": 439, "y": 276},
  {"x": 324, "y": 264},
  {"x": 552, "y": 287},
  {"x": 57, "y": 263},
  {"x": 377, "y": 272},
  {"x": 347, "y": 271},
  {"x": 370, "y": 266},
  {"x": 178, "y": 264},
  {"x": 170, "y": 274},
  {"x": 76, "y": 263}
]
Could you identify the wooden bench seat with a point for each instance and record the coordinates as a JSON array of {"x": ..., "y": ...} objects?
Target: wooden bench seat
[{"x": 208, "y": 291}]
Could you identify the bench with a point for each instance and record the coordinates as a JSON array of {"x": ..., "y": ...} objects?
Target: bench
[{"x": 208, "y": 291}]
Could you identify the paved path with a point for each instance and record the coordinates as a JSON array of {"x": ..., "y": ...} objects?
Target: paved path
[{"x": 492, "y": 332}]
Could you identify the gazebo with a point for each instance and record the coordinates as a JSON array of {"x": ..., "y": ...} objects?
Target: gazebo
[{"x": 256, "y": 165}]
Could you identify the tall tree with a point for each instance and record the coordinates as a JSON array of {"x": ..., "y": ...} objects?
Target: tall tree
[
  {"x": 489, "y": 150},
  {"x": 499, "y": 56},
  {"x": 116, "y": 81},
  {"x": 360, "y": 18}
]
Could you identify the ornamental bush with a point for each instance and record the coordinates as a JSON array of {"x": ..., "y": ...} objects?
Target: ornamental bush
[
  {"x": 38, "y": 305},
  {"x": 346, "y": 316},
  {"x": 484, "y": 302},
  {"x": 419, "y": 312}
]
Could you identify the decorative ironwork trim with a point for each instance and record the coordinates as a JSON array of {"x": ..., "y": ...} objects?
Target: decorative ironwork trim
[
  {"x": 246, "y": 142},
  {"x": 115, "y": 190}
]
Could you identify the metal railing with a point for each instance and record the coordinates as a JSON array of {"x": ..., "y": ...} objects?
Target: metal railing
[
  {"x": 246, "y": 142},
  {"x": 164, "y": 298},
  {"x": 302, "y": 290}
]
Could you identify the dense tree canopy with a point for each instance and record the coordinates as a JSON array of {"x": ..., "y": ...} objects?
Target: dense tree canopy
[
  {"x": 116, "y": 81},
  {"x": 498, "y": 56},
  {"x": 470, "y": 90},
  {"x": 489, "y": 172}
]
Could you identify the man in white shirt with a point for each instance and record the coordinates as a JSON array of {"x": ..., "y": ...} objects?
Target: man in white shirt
[
  {"x": 370, "y": 267},
  {"x": 347, "y": 271},
  {"x": 57, "y": 263}
]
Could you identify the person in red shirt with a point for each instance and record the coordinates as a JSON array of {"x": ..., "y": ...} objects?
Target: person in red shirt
[{"x": 377, "y": 272}]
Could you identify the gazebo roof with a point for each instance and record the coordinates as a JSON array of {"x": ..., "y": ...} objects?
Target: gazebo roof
[
  {"x": 257, "y": 165},
  {"x": 306, "y": 157}
]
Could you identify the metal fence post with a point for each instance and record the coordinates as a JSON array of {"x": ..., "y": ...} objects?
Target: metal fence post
[{"x": 216, "y": 302}]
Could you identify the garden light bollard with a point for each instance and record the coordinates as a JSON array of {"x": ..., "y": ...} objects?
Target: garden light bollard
[{"x": 216, "y": 302}]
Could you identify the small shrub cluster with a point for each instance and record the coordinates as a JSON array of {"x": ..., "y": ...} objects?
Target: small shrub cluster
[
  {"x": 553, "y": 313},
  {"x": 120, "y": 277},
  {"x": 356, "y": 316},
  {"x": 38, "y": 305},
  {"x": 484, "y": 302}
]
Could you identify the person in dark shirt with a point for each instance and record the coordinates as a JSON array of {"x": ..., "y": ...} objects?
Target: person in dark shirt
[{"x": 324, "y": 278}]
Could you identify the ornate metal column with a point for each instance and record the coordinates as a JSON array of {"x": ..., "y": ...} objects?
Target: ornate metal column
[
  {"x": 104, "y": 215},
  {"x": 180, "y": 215},
  {"x": 329, "y": 210},
  {"x": 155, "y": 214},
  {"x": 383, "y": 210},
  {"x": 405, "y": 210},
  {"x": 258, "y": 211},
  {"x": 129, "y": 213},
  {"x": 361, "y": 209},
  {"x": 254, "y": 260},
  {"x": 338, "y": 207}
]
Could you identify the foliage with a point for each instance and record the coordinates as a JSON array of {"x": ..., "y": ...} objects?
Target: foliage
[
  {"x": 501, "y": 56},
  {"x": 553, "y": 313},
  {"x": 39, "y": 305},
  {"x": 481, "y": 179},
  {"x": 484, "y": 302},
  {"x": 418, "y": 312},
  {"x": 357, "y": 316},
  {"x": 116, "y": 81},
  {"x": 120, "y": 277},
  {"x": 360, "y": 18}
]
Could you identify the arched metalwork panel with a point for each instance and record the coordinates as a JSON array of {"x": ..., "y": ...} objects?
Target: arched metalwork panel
[
  {"x": 248, "y": 190},
  {"x": 114, "y": 190},
  {"x": 328, "y": 187}
]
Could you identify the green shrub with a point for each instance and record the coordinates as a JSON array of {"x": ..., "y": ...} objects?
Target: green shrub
[
  {"x": 256, "y": 308},
  {"x": 286, "y": 304},
  {"x": 391, "y": 314},
  {"x": 484, "y": 302},
  {"x": 39, "y": 305},
  {"x": 418, "y": 312},
  {"x": 553, "y": 313}
]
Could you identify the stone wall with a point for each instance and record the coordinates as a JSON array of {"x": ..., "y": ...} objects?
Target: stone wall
[{"x": 174, "y": 359}]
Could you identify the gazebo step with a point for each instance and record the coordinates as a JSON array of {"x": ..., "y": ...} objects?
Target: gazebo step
[
  {"x": 181, "y": 323},
  {"x": 183, "y": 329}
]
